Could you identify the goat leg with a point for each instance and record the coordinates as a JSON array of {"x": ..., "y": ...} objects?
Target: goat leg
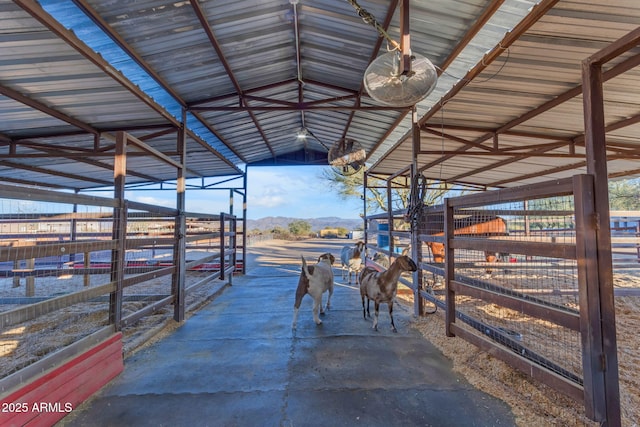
[
  {"x": 328, "y": 306},
  {"x": 376, "y": 304},
  {"x": 317, "y": 304},
  {"x": 393, "y": 325},
  {"x": 295, "y": 318}
]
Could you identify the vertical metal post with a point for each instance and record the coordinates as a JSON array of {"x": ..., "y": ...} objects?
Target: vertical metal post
[
  {"x": 119, "y": 230},
  {"x": 233, "y": 230},
  {"x": 416, "y": 245},
  {"x": 244, "y": 221},
  {"x": 603, "y": 406},
  {"x": 73, "y": 229},
  {"x": 390, "y": 220},
  {"x": 232, "y": 234},
  {"x": 180, "y": 229},
  {"x": 405, "y": 40},
  {"x": 222, "y": 252},
  {"x": 364, "y": 208}
]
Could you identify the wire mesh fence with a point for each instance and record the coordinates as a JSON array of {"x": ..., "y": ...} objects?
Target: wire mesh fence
[
  {"x": 68, "y": 263},
  {"x": 516, "y": 274},
  {"x": 543, "y": 281}
]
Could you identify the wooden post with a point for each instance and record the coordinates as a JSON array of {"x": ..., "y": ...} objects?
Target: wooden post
[
  {"x": 30, "y": 279},
  {"x": 416, "y": 245},
  {"x": 87, "y": 264},
  {"x": 16, "y": 278},
  {"x": 602, "y": 401},
  {"x": 449, "y": 264}
]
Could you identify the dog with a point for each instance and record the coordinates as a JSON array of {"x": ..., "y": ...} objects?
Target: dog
[{"x": 315, "y": 280}]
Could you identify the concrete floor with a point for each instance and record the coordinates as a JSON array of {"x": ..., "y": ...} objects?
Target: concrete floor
[{"x": 236, "y": 362}]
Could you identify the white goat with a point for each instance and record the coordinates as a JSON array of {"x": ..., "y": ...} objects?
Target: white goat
[
  {"x": 314, "y": 280},
  {"x": 351, "y": 259},
  {"x": 381, "y": 259},
  {"x": 382, "y": 287}
]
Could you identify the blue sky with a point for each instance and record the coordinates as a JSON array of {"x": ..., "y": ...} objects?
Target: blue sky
[{"x": 289, "y": 191}]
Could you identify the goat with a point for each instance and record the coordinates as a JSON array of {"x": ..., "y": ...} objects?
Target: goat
[
  {"x": 381, "y": 287},
  {"x": 351, "y": 259},
  {"x": 381, "y": 259},
  {"x": 315, "y": 280}
]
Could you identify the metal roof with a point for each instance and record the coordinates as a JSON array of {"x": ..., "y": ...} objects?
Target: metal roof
[
  {"x": 520, "y": 120},
  {"x": 249, "y": 74}
]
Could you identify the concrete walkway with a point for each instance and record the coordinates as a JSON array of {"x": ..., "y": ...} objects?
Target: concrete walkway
[{"x": 237, "y": 363}]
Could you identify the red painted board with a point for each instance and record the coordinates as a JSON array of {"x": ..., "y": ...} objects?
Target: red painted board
[{"x": 64, "y": 388}]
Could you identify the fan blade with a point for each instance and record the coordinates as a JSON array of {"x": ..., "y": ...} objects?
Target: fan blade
[{"x": 385, "y": 85}]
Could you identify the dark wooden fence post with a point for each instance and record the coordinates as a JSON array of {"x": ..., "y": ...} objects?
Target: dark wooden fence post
[{"x": 449, "y": 263}]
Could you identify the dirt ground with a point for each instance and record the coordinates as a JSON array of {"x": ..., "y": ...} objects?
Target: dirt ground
[{"x": 535, "y": 404}]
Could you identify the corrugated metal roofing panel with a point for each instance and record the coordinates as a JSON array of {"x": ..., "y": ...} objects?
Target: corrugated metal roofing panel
[
  {"x": 39, "y": 69},
  {"x": 543, "y": 64},
  {"x": 248, "y": 100}
]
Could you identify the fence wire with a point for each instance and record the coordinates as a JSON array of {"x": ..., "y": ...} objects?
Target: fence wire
[{"x": 56, "y": 272}]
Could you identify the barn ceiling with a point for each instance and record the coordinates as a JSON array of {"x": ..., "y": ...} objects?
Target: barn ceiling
[{"x": 245, "y": 76}]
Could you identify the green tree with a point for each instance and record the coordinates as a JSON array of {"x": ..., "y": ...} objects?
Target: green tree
[
  {"x": 624, "y": 194},
  {"x": 278, "y": 230},
  {"x": 300, "y": 228},
  {"x": 376, "y": 195}
]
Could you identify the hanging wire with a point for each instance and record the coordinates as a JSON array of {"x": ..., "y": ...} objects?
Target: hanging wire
[
  {"x": 483, "y": 63},
  {"x": 371, "y": 20},
  {"x": 415, "y": 205}
]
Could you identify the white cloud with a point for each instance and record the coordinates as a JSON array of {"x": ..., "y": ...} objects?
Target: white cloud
[
  {"x": 156, "y": 201},
  {"x": 268, "y": 198},
  {"x": 291, "y": 191}
]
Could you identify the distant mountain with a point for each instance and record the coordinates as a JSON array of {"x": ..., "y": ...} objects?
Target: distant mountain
[{"x": 317, "y": 224}]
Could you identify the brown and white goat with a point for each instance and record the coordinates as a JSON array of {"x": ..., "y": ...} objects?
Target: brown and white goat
[
  {"x": 351, "y": 259},
  {"x": 315, "y": 280},
  {"x": 381, "y": 287}
]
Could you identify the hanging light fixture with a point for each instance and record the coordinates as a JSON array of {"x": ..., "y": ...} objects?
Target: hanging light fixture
[{"x": 302, "y": 133}]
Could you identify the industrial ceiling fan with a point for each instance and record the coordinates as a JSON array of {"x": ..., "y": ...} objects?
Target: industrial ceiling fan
[
  {"x": 398, "y": 78},
  {"x": 347, "y": 156}
]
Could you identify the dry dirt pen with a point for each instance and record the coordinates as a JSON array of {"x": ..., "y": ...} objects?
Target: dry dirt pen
[{"x": 533, "y": 403}]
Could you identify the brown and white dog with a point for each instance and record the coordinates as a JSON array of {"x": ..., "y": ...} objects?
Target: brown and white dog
[{"x": 315, "y": 280}]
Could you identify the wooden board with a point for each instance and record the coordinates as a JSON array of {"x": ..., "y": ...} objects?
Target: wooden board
[{"x": 56, "y": 393}]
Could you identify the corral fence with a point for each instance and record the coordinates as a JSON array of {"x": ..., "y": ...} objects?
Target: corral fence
[
  {"x": 72, "y": 265},
  {"x": 519, "y": 273}
]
